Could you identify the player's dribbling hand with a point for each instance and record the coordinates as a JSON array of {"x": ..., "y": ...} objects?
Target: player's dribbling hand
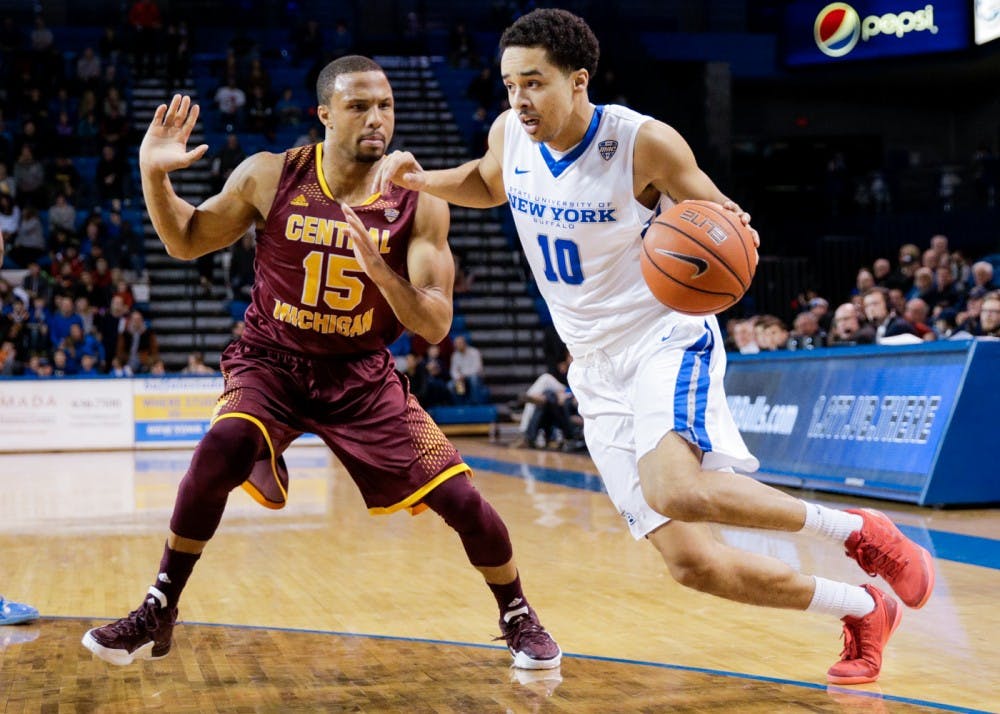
[
  {"x": 365, "y": 250},
  {"x": 400, "y": 168},
  {"x": 164, "y": 148},
  {"x": 744, "y": 217}
]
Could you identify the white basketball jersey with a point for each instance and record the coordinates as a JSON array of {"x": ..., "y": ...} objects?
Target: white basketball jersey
[{"x": 581, "y": 229}]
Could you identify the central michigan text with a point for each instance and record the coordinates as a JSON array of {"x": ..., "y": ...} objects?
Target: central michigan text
[{"x": 327, "y": 231}]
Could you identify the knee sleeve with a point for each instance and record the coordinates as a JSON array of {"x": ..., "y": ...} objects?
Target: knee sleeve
[
  {"x": 221, "y": 462},
  {"x": 483, "y": 533}
]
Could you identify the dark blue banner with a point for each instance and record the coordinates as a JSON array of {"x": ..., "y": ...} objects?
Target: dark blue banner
[
  {"x": 818, "y": 32},
  {"x": 869, "y": 420}
]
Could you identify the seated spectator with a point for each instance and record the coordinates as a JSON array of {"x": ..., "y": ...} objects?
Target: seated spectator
[
  {"x": 8, "y": 187},
  {"x": 312, "y": 136},
  {"x": 467, "y": 385},
  {"x": 770, "y": 333},
  {"x": 342, "y": 41},
  {"x": 9, "y": 364},
  {"x": 848, "y": 329},
  {"x": 228, "y": 158},
  {"x": 550, "y": 415},
  {"x": 113, "y": 129},
  {"x": 157, "y": 368},
  {"x": 989, "y": 315},
  {"x": 64, "y": 178},
  {"x": 88, "y": 366},
  {"x": 29, "y": 175},
  {"x": 881, "y": 272},
  {"x": 138, "y": 346},
  {"x": 62, "y": 214},
  {"x": 10, "y": 218},
  {"x": 111, "y": 175},
  {"x": 806, "y": 333},
  {"x": 864, "y": 282},
  {"x": 967, "y": 321},
  {"x": 230, "y": 101},
  {"x": 196, "y": 365},
  {"x": 61, "y": 364},
  {"x": 917, "y": 312},
  {"x": 260, "y": 114},
  {"x": 982, "y": 276},
  {"x": 64, "y": 134},
  {"x": 29, "y": 244},
  {"x": 887, "y": 323},
  {"x": 59, "y": 323},
  {"x": 743, "y": 339},
  {"x": 125, "y": 244},
  {"x": 949, "y": 291},
  {"x": 237, "y": 331},
  {"x": 37, "y": 283},
  {"x": 923, "y": 286},
  {"x": 820, "y": 307},
  {"x": 436, "y": 392},
  {"x": 88, "y": 68},
  {"x": 119, "y": 368},
  {"x": 287, "y": 110},
  {"x": 415, "y": 372}
]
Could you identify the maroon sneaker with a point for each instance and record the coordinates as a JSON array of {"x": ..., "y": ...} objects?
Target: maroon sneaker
[
  {"x": 145, "y": 634},
  {"x": 531, "y": 645},
  {"x": 881, "y": 549}
]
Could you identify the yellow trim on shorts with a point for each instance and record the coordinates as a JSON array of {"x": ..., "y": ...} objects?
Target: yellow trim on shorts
[
  {"x": 247, "y": 486},
  {"x": 412, "y": 502},
  {"x": 326, "y": 187}
]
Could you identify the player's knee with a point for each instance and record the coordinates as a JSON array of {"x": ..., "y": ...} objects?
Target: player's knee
[
  {"x": 697, "y": 568},
  {"x": 226, "y": 454},
  {"x": 459, "y": 503},
  {"x": 681, "y": 500}
]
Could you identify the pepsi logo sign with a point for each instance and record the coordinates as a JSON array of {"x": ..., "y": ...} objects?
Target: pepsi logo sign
[
  {"x": 837, "y": 29},
  {"x": 838, "y": 26}
]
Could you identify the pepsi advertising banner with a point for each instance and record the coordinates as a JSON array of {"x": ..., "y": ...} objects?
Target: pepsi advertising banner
[
  {"x": 818, "y": 32},
  {"x": 873, "y": 421}
]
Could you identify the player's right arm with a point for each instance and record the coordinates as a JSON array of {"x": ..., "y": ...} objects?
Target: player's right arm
[
  {"x": 187, "y": 231},
  {"x": 474, "y": 184}
]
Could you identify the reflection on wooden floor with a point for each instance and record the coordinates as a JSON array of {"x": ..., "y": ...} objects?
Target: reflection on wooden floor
[{"x": 321, "y": 607}]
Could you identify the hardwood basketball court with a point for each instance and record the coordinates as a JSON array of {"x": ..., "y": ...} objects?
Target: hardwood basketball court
[{"x": 321, "y": 607}]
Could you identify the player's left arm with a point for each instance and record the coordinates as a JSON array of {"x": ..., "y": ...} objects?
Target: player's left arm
[
  {"x": 422, "y": 304},
  {"x": 664, "y": 160}
]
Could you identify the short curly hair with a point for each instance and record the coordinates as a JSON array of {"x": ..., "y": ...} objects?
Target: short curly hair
[
  {"x": 342, "y": 65},
  {"x": 568, "y": 40}
]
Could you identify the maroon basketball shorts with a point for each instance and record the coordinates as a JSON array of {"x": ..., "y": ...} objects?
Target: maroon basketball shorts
[{"x": 358, "y": 405}]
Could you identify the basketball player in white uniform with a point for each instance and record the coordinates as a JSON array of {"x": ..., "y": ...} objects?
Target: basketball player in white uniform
[{"x": 582, "y": 182}]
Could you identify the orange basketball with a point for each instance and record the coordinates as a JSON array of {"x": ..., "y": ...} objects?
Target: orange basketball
[{"x": 698, "y": 258}]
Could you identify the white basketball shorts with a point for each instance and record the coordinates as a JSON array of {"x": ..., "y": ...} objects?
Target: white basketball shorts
[{"x": 670, "y": 378}]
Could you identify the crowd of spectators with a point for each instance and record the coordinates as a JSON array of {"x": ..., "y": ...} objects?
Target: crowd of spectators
[
  {"x": 934, "y": 294},
  {"x": 74, "y": 250}
]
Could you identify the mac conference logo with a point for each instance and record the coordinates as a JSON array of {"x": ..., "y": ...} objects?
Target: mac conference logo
[{"x": 837, "y": 29}]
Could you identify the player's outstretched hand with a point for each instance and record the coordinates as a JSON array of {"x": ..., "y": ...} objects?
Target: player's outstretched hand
[
  {"x": 400, "y": 168},
  {"x": 744, "y": 217},
  {"x": 164, "y": 148}
]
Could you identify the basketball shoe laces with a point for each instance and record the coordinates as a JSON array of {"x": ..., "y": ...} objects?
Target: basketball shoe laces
[
  {"x": 141, "y": 621},
  {"x": 524, "y": 630},
  {"x": 877, "y": 561},
  {"x": 857, "y": 643}
]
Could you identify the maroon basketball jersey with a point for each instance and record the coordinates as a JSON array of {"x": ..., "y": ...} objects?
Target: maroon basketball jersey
[{"x": 310, "y": 296}]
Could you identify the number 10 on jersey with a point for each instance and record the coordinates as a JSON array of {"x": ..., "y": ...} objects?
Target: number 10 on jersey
[{"x": 562, "y": 260}]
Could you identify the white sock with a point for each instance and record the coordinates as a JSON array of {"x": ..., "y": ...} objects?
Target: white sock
[
  {"x": 830, "y": 522},
  {"x": 840, "y": 599}
]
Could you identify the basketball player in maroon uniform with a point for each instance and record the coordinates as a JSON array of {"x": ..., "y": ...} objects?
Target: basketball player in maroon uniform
[{"x": 334, "y": 285}]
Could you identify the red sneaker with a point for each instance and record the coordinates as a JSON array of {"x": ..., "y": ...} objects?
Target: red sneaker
[
  {"x": 864, "y": 639},
  {"x": 146, "y": 633},
  {"x": 529, "y": 643},
  {"x": 881, "y": 549}
]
